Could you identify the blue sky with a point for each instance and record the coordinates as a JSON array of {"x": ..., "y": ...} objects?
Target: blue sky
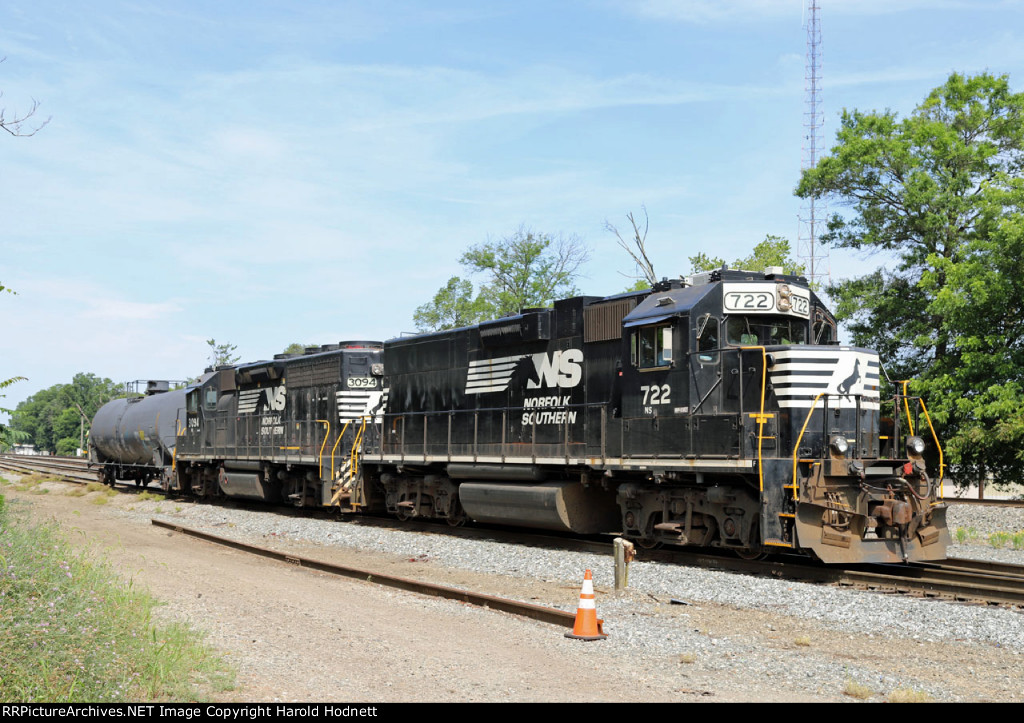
[{"x": 264, "y": 172}]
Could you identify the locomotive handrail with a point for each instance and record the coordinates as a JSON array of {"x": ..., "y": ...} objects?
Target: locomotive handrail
[
  {"x": 341, "y": 436},
  {"x": 398, "y": 424},
  {"x": 320, "y": 458},
  {"x": 910, "y": 422},
  {"x": 796, "y": 446},
  {"x": 760, "y": 417}
]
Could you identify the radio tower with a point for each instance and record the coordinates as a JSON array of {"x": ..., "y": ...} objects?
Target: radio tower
[{"x": 812, "y": 211}]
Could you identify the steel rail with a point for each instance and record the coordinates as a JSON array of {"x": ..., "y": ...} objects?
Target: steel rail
[{"x": 529, "y": 610}]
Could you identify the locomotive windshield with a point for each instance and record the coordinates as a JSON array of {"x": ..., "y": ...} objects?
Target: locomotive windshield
[{"x": 765, "y": 330}]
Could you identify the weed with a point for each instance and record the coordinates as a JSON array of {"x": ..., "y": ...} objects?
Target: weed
[
  {"x": 146, "y": 496},
  {"x": 856, "y": 690},
  {"x": 803, "y": 641},
  {"x": 688, "y": 658},
  {"x": 75, "y": 492},
  {"x": 95, "y": 487},
  {"x": 1018, "y": 540},
  {"x": 908, "y": 695},
  {"x": 73, "y": 633},
  {"x": 999, "y": 539},
  {"x": 100, "y": 500}
]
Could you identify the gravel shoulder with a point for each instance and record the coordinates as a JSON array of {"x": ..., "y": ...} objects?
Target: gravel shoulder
[{"x": 298, "y": 635}]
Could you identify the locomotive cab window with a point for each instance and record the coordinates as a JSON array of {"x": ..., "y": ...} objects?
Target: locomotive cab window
[
  {"x": 824, "y": 331},
  {"x": 707, "y": 340},
  {"x": 765, "y": 331},
  {"x": 211, "y": 398},
  {"x": 652, "y": 347},
  {"x": 192, "y": 401}
]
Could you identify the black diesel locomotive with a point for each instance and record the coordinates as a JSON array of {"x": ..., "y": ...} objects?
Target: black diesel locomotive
[{"x": 715, "y": 411}]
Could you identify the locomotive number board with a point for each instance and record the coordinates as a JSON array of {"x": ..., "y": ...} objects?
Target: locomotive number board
[{"x": 765, "y": 299}]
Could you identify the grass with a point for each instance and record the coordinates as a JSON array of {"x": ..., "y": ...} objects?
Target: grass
[
  {"x": 146, "y": 496},
  {"x": 857, "y": 690},
  {"x": 803, "y": 641},
  {"x": 998, "y": 540},
  {"x": 74, "y": 632},
  {"x": 908, "y": 695}
]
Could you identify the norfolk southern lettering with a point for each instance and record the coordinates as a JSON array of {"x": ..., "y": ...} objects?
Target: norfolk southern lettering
[{"x": 548, "y": 416}]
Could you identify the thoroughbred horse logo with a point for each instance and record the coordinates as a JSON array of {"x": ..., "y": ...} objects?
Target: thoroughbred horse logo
[{"x": 847, "y": 384}]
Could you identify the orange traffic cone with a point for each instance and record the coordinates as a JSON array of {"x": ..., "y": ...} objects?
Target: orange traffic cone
[{"x": 587, "y": 626}]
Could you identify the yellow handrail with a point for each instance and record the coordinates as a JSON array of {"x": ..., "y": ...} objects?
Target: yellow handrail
[
  {"x": 320, "y": 459},
  {"x": 906, "y": 405},
  {"x": 336, "y": 443},
  {"x": 761, "y": 415},
  {"x": 796, "y": 446},
  {"x": 356, "y": 445},
  {"x": 937, "y": 445}
]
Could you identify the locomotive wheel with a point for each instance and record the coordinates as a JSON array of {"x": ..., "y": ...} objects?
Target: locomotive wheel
[
  {"x": 457, "y": 520},
  {"x": 756, "y": 550},
  {"x": 648, "y": 543},
  {"x": 751, "y": 553}
]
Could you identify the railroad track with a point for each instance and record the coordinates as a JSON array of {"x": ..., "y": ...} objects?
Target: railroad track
[
  {"x": 987, "y": 501},
  {"x": 73, "y": 469},
  {"x": 954, "y": 579}
]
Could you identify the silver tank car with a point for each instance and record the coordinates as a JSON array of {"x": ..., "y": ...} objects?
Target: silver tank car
[{"x": 134, "y": 438}]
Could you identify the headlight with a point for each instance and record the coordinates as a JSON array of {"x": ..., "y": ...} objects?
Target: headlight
[
  {"x": 915, "y": 446},
  {"x": 839, "y": 444}
]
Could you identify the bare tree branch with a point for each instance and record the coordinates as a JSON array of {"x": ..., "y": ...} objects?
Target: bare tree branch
[
  {"x": 638, "y": 241},
  {"x": 15, "y": 125}
]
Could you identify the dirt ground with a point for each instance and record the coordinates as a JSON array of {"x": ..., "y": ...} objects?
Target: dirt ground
[{"x": 298, "y": 635}]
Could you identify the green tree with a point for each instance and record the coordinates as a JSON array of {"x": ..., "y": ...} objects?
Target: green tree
[
  {"x": 9, "y": 436},
  {"x": 222, "y": 354},
  {"x": 941, "y": 191},
  {"x": 454, "y": 305},
  {"x": 773, "y": 251},
  {"x": 4, "y": 383},
  {"x": 523, "y": 270},
  {"x": 58, "y": 417}
]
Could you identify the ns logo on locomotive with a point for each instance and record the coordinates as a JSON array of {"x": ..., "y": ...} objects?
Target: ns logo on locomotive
[{"x": 718, "y": 410}]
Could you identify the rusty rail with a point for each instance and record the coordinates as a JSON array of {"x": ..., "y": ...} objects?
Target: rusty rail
[{"x": 529, "y": 610}]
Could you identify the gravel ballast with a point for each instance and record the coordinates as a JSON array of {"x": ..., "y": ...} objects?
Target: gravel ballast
[
  {"x": 737, "y": 637},
  {"x": 643, "y": 624}
]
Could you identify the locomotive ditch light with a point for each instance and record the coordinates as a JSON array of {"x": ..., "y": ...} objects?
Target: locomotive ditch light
[
  {"x": 839, "y": 444},
  {"x": 915, "y": 446}
]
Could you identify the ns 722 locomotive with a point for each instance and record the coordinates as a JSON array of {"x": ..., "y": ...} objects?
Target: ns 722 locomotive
[{"x": 716, "y": 411}]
